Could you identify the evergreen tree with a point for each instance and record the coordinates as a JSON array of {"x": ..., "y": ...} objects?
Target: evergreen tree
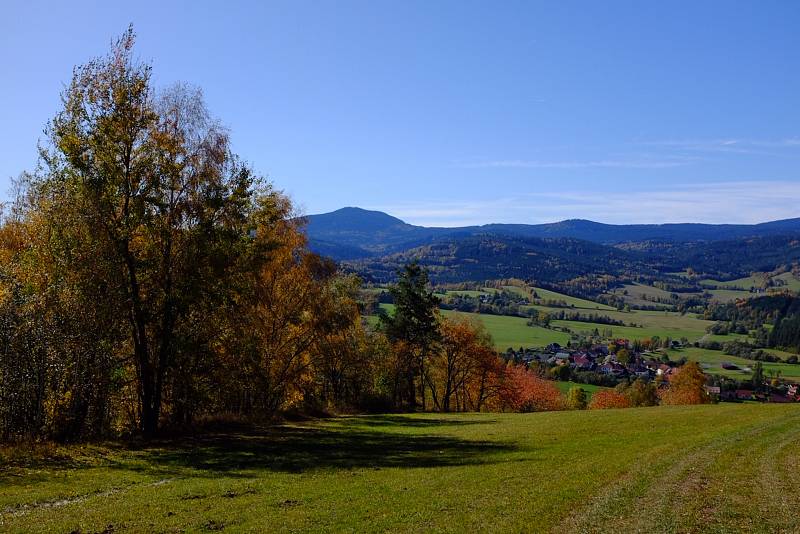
[{"x": 415, "y": 323}]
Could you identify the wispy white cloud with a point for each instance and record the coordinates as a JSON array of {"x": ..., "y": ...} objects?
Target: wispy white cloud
[
  {"x": 598, "y": 164},
  {"x": 766, "y": 147},
  {"x": 720, "y": 202}
]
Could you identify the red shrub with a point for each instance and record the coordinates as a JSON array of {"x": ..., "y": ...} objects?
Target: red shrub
[
  {"x": 609, "y": 399},
  {"x": 523, "y": 391}
]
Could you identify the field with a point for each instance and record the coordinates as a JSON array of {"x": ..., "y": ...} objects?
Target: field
[
  {"x": 590, "y": 389},
  {"x": 649, "y": 324},
  {"x": 543, "y": 294},
  {"x": 727, "y": 295},
  {"x": 712, "y": 361},
  {"x": 636, "y": 292},
  {"x": 546, "y": 294},
  {"x": 719, "y": 468},
  {"x": 508, "y": 331},
  {"x": 788, "y": 279},
  {"x": 792, "y": 283},
  {"x": 740, "y": 283}
]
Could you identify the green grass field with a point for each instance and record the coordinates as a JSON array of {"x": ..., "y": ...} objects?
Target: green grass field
[
  {"x": 590, "y": 389},
  {"x": 506, "y": 331},
  {"x": 468, "y": 292},
  {"x": 546, "y": 294},
  {"x": 649, "y": 323},
  {"x": 715, "y": 468},
  {"x": 712, "y": 361},
  {"x": 740, "y": 283},
  {"x": 728, "y": 295},
  {"x": 792, "y": 283}
]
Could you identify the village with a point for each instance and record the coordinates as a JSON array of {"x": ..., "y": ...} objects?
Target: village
[{"x": 617, "y": 363}]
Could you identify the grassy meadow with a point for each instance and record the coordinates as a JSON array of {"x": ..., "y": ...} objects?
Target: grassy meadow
[
  {"x": 712, "y": 360},
  {"x": 590, "y": 389},
  {"x": 508, "y": 331},
  {"x": 546, "y": 294},
  {"x": 661, "y": 469}
]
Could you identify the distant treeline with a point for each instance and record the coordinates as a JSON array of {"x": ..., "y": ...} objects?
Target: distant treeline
[{"x": 781, "y": 310}]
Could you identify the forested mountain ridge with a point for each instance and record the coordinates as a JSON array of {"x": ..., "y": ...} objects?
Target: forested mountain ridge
[
  {"x": 351, "y": 233},
  {"x": 375, "y": 245},
  {"x": 492, "y": 256}
]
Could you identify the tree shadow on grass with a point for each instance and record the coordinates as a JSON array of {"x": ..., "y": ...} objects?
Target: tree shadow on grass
[
  {"x": 344, "y": 443},
  {"x": 408, "y": 421},
  {"x": 296, "y": 449}
]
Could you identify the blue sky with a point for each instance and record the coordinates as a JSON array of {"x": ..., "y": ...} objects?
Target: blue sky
[{"x": 450, "y": 113}]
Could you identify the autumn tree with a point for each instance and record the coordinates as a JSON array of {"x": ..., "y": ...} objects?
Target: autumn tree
[
  {"x": 457, "y": 369},
  {"x": 686, "y": 386},
  {"x": 346, "y": 356},
  {"x": 149, "y": 208}
]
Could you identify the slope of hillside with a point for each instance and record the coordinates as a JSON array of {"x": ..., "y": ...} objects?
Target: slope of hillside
[
  {"x": 715, "y": 468},
  {"x": 483, "y": 257},
  {"x": 493, "y": 256},
  {"x": 359, "y": 233}
]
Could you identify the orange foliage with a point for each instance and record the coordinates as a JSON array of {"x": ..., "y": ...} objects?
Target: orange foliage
[
  {"x": 686, "y": 386},
  {"x": 460, "y": 376},
  {"x": 605, "y": 399},
  {"x": 523, "y": 391}
]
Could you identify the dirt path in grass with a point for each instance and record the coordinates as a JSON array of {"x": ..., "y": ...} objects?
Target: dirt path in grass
[
  {"x": 23, "y": 509},
  {"x": 715, "y": 487}
]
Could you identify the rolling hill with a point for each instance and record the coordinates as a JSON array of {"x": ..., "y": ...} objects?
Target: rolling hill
[
  {"x": 363, "y": 233},
  {"x": 375, "y": 244}
]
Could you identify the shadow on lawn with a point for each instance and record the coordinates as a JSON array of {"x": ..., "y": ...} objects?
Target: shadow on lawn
[
  {"x": 297, "y": 449},
  {"x": 412, "y": 422}
]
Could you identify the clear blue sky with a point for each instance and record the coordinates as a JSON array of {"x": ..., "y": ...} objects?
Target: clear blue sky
[{"x": 447, "y": 113}]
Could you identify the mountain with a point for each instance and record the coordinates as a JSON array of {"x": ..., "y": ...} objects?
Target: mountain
[
  {"x": 361, "y": 233},
  {"x": 353, "y": 233}
]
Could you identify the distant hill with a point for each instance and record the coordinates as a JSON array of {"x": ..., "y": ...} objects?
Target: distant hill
[
  {"x": 491, "y": 256},
  {"x": 360, "y": 233},
  {"x": 556, "y": 260},
  {"x": 353, "y": 233}
]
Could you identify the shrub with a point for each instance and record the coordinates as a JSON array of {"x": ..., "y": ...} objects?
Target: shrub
[
  {"x": 609, "y": 399},
  {"x": 523, "y": 391}
]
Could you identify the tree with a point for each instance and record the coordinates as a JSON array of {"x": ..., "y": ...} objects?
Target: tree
[
  {"x": 686, "y": 386},
  {"x": 344, "y": 359},
  {"x": 758, "y": 376},
  {"x": 154, "y": 208},
  {"x": 415, "y": 323},
  {"x": 561, "y": 372},
  {"x": 455, "y": 369},
  {"x": 576, "y": 398},
  {"x": 641, "y": 393}
]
